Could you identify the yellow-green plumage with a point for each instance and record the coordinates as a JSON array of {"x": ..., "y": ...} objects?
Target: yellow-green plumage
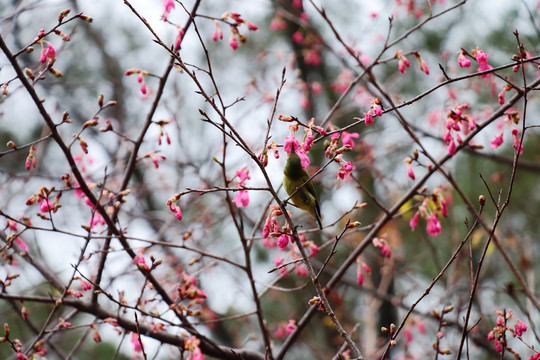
[{"x": 305, "y": 198}]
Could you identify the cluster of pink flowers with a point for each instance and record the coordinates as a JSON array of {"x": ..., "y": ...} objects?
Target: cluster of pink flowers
[
  {"x": 481, "y": 58},
  {"x": 429, "y": 209},
  {"x": 308, "y": 39},
  {"x": 242, "y": 197},
  {"x": 174, "y": 207},
  {"x": 408, "y": 331},
  {"x": 43, "y": 197},
  {"x": 300, "y": 150},
  {"x": 345, "y": 167},
  {"x": 12, "y": 225},
  {"x": 510, "y": 118},
  {"x": 332, "y": 148},
  {"x": 192, "y": 345},
  {"x": 168, "y": 6},
  {"x": 457, "y": 121},
  {"x": 188, "y": 290},
  {"x": 236, "y": 37},
  {"x": 403, "y": 62},
  {"x": 410, "y": 172},
  {"x": 155, "y": 158},
  {"x": 463, "y": 61},
  {"x": 498, "y": 334},
  {"x": 381, "y": 244},
  {"x": 360, "y": 270},
  {"x": 285, "y": 328},
  {"x": 274, "y": 235},
  {"x": 47, "y": 52},
  {"x": 140, "y": 78},
  {"x": 343, "y": 81},
  {"x": 31, "y": 161}
]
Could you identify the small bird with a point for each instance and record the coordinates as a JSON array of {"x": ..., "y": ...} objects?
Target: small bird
[{"x": 306, "y": 197}]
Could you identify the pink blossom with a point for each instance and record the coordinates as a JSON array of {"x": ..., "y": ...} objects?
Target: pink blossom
[
  {"x": 12, "y": 225},
  {"x": 278, "y": 261},
  {"x": 291, "y": 142},
  {"x": 75, "y": 293},
  {"x": 136, "y": 342},
  {"x": 140, "y": 262},
  {"x": 168, "y": 5},
  {"x": 359, "y": 276},
  {"x": 410, "y": 172},
  {"x": 495, "y": 143},
  {"x": 501, "y": 97},
  {"x": 316, "y": 88},
  {"x": 377, "y": 110},
  {"x": 291, "y": 326},
  {"x": 312, "y": 57},
  {"x": 481, "y": 58},
  {"x": 403, "y": 62},
  {"x": 383, "y": 245},
  {"x": 266, "y": 228},
  {"x": 20, "y": 242},
  {"x": 300, "y": 270},
  {"x": 406, "y": 61},
  {"x": 304, "y": 159},
  {"x": 520, "y": 328},
  {"x": 85, "y": 285},
  {"x": 251, "y": 26},
  {"x": 233, "y": 43},
  {"x": 444, "y": 207},
  {"x": 313, "y": 249},
  {"x": 269, "y": 243},
  {"x": 47, "y": 53},
  {"x": 309, "y": 139},
  {"x": 304, "y": 102},
  {"x": 341, "y": 84},
  {"x": 433, "y": 225},
  {"x": 176, "y": 210},
  {"x": 423, "y": 66},
  {"x": 366, "y": 267},
  {"x": 345, "y": 170},
  {"x": 298, "y": 37},
  {"x": 414, "y": 220},
  {"x": 243, "y": 174},
  {"x": 178, "y": 40},
  {"x": 368, "y": 119},
  {"x": 463, "y": 61},
  {"x": 279, "y": 333},
  {"x": 401, "y": 66},
  {"x": 241, "y": 199},
  {"x": 518, "y": 146},
  {"x": 347, "y": 138},
  {"x": 451, "y": 147},
  {"x": 96, "y": 337},
  {"x": 278, "y": 23},
  {"x": 46, "y": 206},
  {"x": 282, "y": 241},
  {"x": 96, "y": 219},
  {"x": 421, "y": 326},
  {"x": 408, "y": 334},
  {"x": 447, "y": 136},
  {"x": 321, "y": 130}
]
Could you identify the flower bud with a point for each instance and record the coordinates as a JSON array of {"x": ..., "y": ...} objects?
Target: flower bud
[{"x": 482, "y": 200}]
